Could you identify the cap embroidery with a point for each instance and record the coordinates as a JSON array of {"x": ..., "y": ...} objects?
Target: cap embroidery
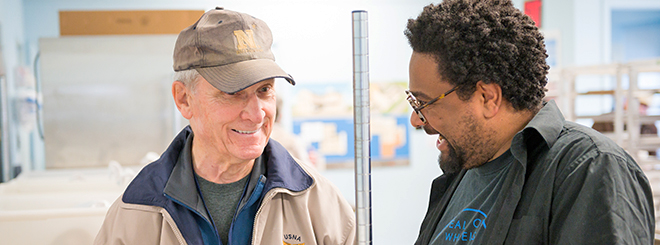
[{"x": 245, "y": 42}]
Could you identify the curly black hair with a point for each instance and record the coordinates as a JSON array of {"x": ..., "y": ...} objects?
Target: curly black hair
[{"x": 484, "y": 40}]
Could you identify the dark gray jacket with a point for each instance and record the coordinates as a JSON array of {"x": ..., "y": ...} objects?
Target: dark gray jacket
[{"x": 568, "y": 185}]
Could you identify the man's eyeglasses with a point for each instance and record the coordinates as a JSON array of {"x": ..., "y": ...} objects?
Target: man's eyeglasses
[{"x": 419, "y": 105}]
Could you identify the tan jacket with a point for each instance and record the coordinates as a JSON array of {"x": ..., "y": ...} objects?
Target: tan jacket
[
  {"x": 305, "y": 217},
  {"x": 285, "y": 217},
  {"x": 315, "y": 215}
]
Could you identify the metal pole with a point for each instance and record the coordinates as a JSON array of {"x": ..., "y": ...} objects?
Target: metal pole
[
  {"x": 361, "y": 125},
  {"x": 618, "y": 106},
  {"x": 4, "y": 126},
  {"x": 632, "y": 114}
]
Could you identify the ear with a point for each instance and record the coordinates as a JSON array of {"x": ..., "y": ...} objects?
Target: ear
[
  {"x": 491, "y": 98},
  {"x": 181, "y": 96}
]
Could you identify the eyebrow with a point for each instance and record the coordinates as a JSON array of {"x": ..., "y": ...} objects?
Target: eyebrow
[{"x": 420, "y": 95}]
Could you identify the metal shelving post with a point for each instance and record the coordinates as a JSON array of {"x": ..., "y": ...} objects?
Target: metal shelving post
[
  {"x": 5, "y": 169},
  {"x": 361, "y": 118}
]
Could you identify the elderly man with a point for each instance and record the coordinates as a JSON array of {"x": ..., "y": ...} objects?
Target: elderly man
[
  {"x": 515, "y": 172},
  {"x": 222, "y": 181}
]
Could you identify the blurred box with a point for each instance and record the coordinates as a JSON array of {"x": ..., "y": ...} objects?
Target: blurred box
[{"x": 126, "y": 22}]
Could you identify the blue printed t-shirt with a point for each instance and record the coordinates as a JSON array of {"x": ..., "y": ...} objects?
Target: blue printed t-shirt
[{"x": 466, "y": 218}]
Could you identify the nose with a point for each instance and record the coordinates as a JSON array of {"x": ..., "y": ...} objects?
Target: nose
[
  {"x": 415, "y": 121},
  {"x": 254, "y": 109}
]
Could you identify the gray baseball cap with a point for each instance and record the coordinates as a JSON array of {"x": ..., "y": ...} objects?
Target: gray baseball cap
[{"x": 231, "y": 50}]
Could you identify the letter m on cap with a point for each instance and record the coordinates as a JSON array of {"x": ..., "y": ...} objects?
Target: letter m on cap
[{"x": 245, "y": 41}]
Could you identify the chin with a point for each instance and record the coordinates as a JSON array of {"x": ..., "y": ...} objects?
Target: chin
[{"x": 252, "y": 151}]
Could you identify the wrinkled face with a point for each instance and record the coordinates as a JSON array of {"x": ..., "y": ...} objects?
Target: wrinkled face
[
  {"x": 462, "y": 140},
  {"x": 238, "y": 125}
]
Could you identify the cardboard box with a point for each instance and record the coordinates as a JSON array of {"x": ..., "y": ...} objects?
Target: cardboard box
[{"x": 126, "y": 22}]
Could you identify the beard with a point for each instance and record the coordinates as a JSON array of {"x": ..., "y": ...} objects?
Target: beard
[
  {"x": 474, "y": 147},
  {"x": 450, "y": 163}
]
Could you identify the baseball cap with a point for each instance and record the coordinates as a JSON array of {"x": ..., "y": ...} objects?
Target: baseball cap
[{"x": 231, "y": 50}]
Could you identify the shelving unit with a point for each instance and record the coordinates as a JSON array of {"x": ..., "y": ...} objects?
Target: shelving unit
[
  {"x": 563, "y": 89},
  {"x": 625, "y": 116}
]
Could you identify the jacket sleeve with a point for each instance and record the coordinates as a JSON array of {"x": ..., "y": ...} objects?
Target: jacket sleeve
[{"x": 602, "y": 198}]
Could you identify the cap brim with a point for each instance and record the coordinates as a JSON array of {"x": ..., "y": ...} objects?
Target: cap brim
[{"x": 238, "y": 76}]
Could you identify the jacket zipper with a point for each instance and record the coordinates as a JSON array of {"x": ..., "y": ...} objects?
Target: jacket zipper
[{"x": 269, "y": 196}]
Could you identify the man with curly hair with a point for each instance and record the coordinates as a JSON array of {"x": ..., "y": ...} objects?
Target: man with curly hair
[{"x": 514, "y": 171}]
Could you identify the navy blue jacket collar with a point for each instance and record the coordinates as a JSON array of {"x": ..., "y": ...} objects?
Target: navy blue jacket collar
[
  {"x": 182, "y": 181},
  {"x": 281, "y": 171}
]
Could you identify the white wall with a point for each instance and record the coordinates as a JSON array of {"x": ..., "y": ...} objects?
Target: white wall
[
  {"x": 558, "y": 19},
  {"x": 11, "y": 34},
  {"x": 635, "y": 34},
  {"x": 592, "y": 27}
]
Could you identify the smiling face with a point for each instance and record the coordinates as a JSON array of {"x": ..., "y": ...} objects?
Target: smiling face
[
  {"x": 462, "y": 139},
  {"x": 234, "y": 127}
]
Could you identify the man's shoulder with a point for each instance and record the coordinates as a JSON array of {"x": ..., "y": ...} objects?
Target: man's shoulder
[
  {"x": 122, "y": 219},
  {"x": 150, "y": 182},
  {"x": 579, "y": 139},
  {"x": 122, "y": 208},
  {"x": 317, "y": 177},
  {"x": 579, "y": 147},
  {"x": 321, "y": 186},
  {"x": 283, "y": 170},
  {"x": 147, "y": 187}
]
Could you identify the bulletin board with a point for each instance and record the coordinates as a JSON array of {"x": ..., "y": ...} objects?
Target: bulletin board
[{"x": 323, "y": 120}]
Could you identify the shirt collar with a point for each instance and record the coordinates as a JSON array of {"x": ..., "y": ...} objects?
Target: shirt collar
[{"x": 547, "y": 123}]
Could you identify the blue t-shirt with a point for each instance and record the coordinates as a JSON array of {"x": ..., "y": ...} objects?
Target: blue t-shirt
[{"x": 466, "y": 217}]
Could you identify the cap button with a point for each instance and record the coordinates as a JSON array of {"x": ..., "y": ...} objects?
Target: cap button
[{"x": 219, "y": 8}]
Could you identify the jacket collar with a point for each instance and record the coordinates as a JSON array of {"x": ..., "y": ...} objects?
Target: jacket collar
[
  {"x": 182, "y": 181},
  {"x": 166, "y": 176},
  {"x": 280, "y": 170},
  {"x": 147, "y": 187}
]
